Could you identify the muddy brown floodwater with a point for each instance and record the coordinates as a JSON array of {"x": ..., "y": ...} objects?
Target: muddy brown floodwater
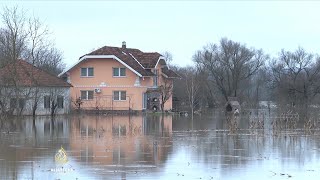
[{"x": 156, "y": 147}]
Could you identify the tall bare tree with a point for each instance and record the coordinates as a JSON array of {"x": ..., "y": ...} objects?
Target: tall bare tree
[
  {"x": 13, "y": 35},
  {"x": 168, "y": 56},
  {"x": 296, "y": 75},
  {"x": 165, "y": 90},
  {"x": 229, "y": 63},
  {"x": 23, "y": 37},
  {"x": 192, "y": 87},
  {"x": 27, "y": 38}
]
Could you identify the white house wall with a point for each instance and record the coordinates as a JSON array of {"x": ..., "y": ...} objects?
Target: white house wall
[{"x": 29, "y": 94}]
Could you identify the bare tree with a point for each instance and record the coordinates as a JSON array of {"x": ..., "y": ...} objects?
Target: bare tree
[
  {"x": 26, "y": 38},
  {"x": 165, "y": 90},
  {"x": 192, "y": 87},
  {"x": 13, "y": 35},
  {"x": 296, "y": 75},
  {"x": 201, "y": 96},
  {"x": 29, "y": 39},
  {"x": 168, "y": 56},
  {"x": 229, "y": 63},
  {"x": 77, "y": 102},
  {"x": 52, "y": 61},
  {"x": 54, "y": 95}
]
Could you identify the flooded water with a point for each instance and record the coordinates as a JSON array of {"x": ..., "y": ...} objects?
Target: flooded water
[{"x": 155, "y": 147}]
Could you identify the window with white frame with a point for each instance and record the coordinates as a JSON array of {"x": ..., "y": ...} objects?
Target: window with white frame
[
  {"x": 86, "y": 95},
  {"x": 119, "y": 72},
  {"x": 87, "y": 72},
  {"x": 119, "y": 95}
]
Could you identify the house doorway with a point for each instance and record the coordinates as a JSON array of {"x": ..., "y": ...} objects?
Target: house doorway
[
  {"x": 151, "y": 100},
  {"x": 144, "y": 101}
]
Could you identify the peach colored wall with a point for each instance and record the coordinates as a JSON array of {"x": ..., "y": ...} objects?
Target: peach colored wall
[
  {"x": 103, "y": 72},
  {"x": 103, "y": 100},
  {"x": 146, "y": 81}
]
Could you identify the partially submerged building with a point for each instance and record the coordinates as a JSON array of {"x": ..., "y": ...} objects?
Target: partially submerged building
[
  {"x": 120, "y": 78},
  {"x": 28, "y": 90}
]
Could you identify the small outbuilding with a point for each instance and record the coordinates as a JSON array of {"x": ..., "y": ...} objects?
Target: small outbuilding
[{"x": 232, "y": 104}]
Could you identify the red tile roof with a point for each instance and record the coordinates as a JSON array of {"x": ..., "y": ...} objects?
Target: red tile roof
[
  {"x": 169, "y": 73},
  {"x": 21, "y": 73},
  {"x": 136, "y": 59},
  {"x": 141, "y": 62},
  {"x": 126, "y": 55}
]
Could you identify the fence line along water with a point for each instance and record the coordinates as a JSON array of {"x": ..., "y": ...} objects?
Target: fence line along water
[{"x": 287, "y": 120}]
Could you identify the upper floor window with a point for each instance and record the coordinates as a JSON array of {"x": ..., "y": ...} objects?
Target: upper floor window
[
  {"x": 87, "y": 72},
  {"x": 155, "y": 78},
  {"x": 86, "y": 95},
  {"x": 119, "y": 72}
]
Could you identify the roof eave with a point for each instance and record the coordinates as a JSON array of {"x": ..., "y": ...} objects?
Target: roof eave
[
  {"x": 100, "y": 57},
  {"x": 161, "y": 57}
]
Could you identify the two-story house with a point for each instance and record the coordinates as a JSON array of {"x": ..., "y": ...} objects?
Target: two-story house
[{"x": 120, "y": 78}]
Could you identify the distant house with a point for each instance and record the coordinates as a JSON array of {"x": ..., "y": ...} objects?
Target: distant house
[
  {"x": 28, "y": 90},
  {"x": 120, "y": 78}
]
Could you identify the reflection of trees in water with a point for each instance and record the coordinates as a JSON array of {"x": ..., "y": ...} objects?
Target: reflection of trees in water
[
  {"x": 29, "y": 144},
  {"x": 218, "y": 147},
  {"x": 237, "y": 150},
  {"x": 154, "y": 125},
  {"x": 10, "y": 124},
  {"x": 293, "y": 147},
  {"x": 223, "y": 149}
]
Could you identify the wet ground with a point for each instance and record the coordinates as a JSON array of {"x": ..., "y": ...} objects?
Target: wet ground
[{"x": 156, "y": 147}]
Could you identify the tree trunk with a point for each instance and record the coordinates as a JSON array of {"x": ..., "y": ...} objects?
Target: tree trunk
[
  {"x": 162, "y": 107},
  {"x": 34, "y": 109}
]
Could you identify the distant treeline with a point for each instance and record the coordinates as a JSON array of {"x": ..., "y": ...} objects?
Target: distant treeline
[{"x": 230, "y": 69}]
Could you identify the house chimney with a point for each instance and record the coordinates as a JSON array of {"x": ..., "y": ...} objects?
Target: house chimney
[{"x": 124, "y": 46}]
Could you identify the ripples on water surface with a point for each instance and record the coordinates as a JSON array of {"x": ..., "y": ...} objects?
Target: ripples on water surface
[{"x": 155, "y": 147}]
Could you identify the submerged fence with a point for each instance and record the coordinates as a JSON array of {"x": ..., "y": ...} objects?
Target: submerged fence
[{"x": 287, "y": 120}]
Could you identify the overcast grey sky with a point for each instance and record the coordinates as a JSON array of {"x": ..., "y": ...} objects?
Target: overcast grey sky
[{"x": 180, "y": 27}]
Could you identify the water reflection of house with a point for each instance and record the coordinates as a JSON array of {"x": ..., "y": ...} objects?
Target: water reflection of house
[{"x": 121, "y": 139}]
